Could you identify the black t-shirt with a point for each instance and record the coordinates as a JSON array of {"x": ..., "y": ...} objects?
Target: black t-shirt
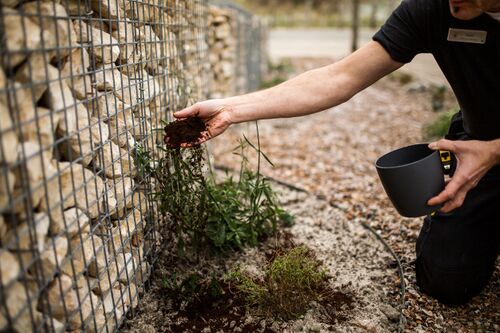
[{"x": 472, "y": 69}]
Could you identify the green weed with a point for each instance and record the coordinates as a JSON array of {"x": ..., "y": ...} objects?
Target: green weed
[
  {"x": 292, "y": 280},
  {"x": 439, "y": 127},
  {"x": 438, "y": 97},
  {"x": 223, "y": 216},
  {"x": 278, "y": 73}
]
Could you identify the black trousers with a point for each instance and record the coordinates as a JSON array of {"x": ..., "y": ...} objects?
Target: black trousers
[{"x": 456, "y": 252}]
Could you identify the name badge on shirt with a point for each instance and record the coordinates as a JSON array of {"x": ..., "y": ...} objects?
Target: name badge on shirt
[{"x": 467, "y": 36}]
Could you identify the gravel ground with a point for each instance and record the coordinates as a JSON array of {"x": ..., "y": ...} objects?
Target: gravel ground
[
  {"x": 331, "y": 155},
  {"x": 357, "y": 262}
]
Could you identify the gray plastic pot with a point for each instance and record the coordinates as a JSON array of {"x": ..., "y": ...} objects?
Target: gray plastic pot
[{"x": 411, "y": 176}]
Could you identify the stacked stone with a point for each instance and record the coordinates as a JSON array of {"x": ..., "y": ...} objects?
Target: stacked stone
[
  {"x": 222, "y": 43},
  {"x": 193, "y": 34},
  {"x": 82, "y": 85},
  {"x": 237, "y": 43}
]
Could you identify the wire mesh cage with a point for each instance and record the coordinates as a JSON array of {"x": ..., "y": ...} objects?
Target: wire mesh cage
[
  {"x": 84, "y": 87},
  {"x": 237, "y": 43}
]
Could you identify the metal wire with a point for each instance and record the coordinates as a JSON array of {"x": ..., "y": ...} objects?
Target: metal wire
[
  {"x": 248, "y": 34},
  {"x": 84, "y": 88}
]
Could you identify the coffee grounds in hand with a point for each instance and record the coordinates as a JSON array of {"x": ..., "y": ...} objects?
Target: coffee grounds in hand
[{"x": 187, "y": 131}]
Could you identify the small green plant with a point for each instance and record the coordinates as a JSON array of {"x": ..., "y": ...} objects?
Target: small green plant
[
  {"x": 291, "y": 281},
  {"x": 438, "y": 96},
  {"x": 278, "y": 73},
  {"x": 144, "y": 162},
  {"x": 225, "y": 216},
  {"x": 439, "y": 127},
  {"x": 402, "y": 77}
]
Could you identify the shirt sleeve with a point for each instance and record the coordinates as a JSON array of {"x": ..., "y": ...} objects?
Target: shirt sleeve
[{"x": 406, "y": 32}]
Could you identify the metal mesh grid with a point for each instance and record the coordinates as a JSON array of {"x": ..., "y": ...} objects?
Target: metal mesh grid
[
  {"x": 237, "y": 49},
  {"x": 84, "y": 85}
]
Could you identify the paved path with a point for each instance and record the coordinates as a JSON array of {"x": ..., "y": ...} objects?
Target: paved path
[{"x": 336, "y": 43}]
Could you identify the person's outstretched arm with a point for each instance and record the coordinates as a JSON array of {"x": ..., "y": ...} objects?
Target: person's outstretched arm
[{"x": 310, "y": 92}]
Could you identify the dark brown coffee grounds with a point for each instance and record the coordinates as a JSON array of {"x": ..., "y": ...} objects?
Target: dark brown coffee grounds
[{"x": 186, "y": 131}]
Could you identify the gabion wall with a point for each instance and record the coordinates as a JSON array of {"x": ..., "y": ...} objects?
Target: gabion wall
[
  {"x": 237, "y": 43},
  {"x": 85, "y": 86}
]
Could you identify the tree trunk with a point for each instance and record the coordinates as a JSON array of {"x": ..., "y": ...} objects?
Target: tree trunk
[
  {"x": 373, "y": 14},
  {"x": 355, "y": 24}
]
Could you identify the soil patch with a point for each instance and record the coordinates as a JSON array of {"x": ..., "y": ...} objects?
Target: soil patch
[
  {"x": 188, "y": 131},
  {"x": 360, "y": 280}
]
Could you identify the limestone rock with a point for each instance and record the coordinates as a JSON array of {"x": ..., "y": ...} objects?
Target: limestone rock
[
  {"x": 126, "y": 266},
  {"x": 154, "y": 47},
  {"x": 109, "y": 78},
  {"x": 151, "y": 87},
  {"x": 105, "y": 322},
  {"x": 104, "y": 47},
  {"x": 9, "y": 268},
  {"x": 9, "y": 141},
  {"x": 18, "y": 238},
  {"x": 11, "y": 4},
  {"x": 80, "y": 188},
  {"x": 142, "y": 129},
  {"x": 145, "y": 12},
  {"x": 71, "y": 305},
  {"x": 115, "y": 162},
  {"x": 53, "y": 19},
  {"x": 19, "y": 43},
  {"x": 35, "y": 172},
  {"x": 131, "y": 58},
  {"x": 82, "y": 146},
  {"x": 3, "y": 229},
  {"x": 122, "y": 190},
  {"x": 121, "y": 237},
  {"x": 88, "y": 254},
  {"x": 73, "y": 222},
  {"x": 87, "y": 190},
  {"x": 120, "y": 129},
  {"x": 88, "y": 302},
  {"x": 7, "y": 180},
  {"x": 19, "y": 307},
  {"x": 73, "y": 115},
  {"x": 38, "y": 72},
  {"x": 21, "y": 99},
  {"x": 3, "y": 85},
  {"x": 54, "y": 255},
  {"x": 115, "y": 302},
  {"x": 107, "y": 105},
  {"x": 61, "y": 289},
  {"x": 142, "y": 268},
  {"x": 133, "y": 295},
  {"x": 107, "y": 279},
  {"x": 75, "y": 7},
  {"x": 39, "y": 127},
  {"x": 74, "y": 72},
  {"x": 108, "y": 9}
]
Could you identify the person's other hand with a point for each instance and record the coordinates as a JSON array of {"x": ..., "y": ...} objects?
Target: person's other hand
[
  {"x": 215, "y": 113},
  {"x": 474, "y": 159}
]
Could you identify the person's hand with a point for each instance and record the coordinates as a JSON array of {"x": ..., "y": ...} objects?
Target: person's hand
[
  {"x": 474, "y": 159},
  {"x": 216, "y": 115}
]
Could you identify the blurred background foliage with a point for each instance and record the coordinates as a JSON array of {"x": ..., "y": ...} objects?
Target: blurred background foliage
[{"x": 321, "y": 13}]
